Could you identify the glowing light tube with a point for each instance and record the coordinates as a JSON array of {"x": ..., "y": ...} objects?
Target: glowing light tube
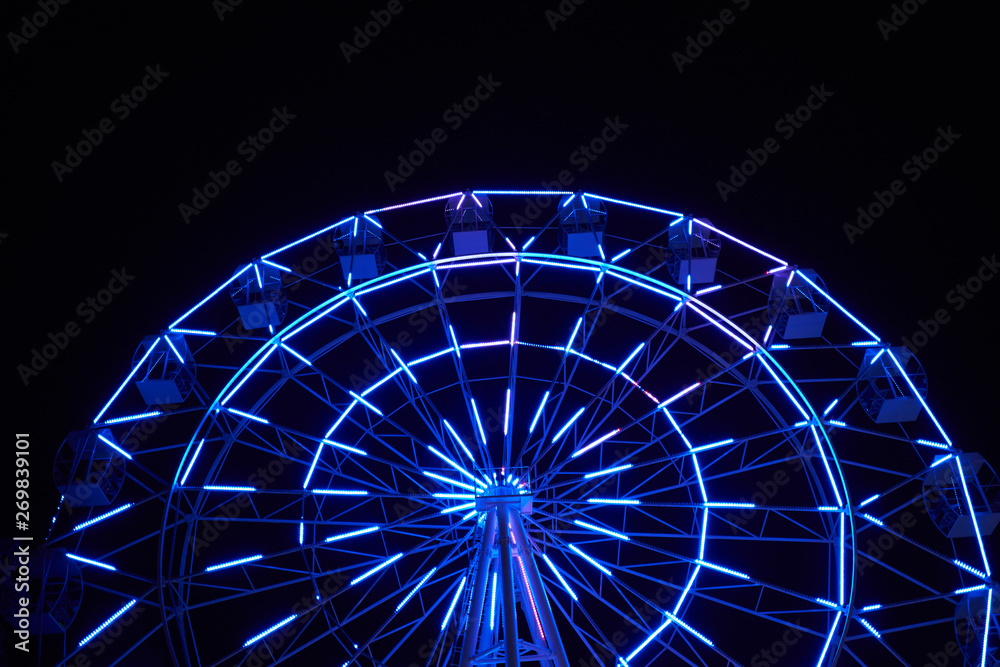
[
  {"x": 99, "y": 628},
  {"x": 127, "y": 378},
  {"x": 271, "y": 629},
  {"x": 454, "y": 601},
  {"x": 416, "y": 588},
  {"x": 381, "y": 566},
  {"x": 233, "y": 563},
  {"x": 559, "y": 576},
  {"x": 88, "y": 561},
  {"x": 194, "y": 458},
  {"x": 102, "y": 517},
  {"x": 568, "y": 424},
  {"x": 353, "y": 533},
  {"x": 113, "y": 446}
]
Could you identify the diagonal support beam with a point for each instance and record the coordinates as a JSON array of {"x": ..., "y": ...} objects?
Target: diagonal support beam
[
  {"x": 479, "y": 591},
  {"x": 544, "y": 609}
]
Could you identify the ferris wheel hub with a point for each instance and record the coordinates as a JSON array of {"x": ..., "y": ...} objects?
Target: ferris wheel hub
[{"x": 516, "y": 496}]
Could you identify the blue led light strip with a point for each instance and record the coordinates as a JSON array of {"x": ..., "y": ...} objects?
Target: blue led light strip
[
  {"x": 114, "y": 617},
  {"x": 126, "y": 381}
]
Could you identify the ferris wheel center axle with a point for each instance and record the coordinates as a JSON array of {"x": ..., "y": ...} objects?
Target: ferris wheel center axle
[{"x": 504, "y": 495}]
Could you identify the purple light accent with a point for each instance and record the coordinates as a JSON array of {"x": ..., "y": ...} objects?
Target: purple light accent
[
  {"x": 478, "y": 203},
  {"x": 706, "y": 290},
  {"x": 521, "y": 192},
  {"x": 304, "y": 238},
  {"x": 634, "y": 205},
  {"x": 742, "y": 243},
  {"x": 461, "y": 199},
  {"x": 413, "y": 203}
]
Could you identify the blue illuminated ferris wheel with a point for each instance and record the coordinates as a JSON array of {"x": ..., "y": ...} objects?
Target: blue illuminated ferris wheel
[{"x": 619, "y": 436}]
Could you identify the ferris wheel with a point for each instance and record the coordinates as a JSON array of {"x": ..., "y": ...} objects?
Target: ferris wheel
[{"x": 617, "y": 436}]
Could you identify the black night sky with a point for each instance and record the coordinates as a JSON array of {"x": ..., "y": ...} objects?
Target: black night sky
[{"x": 854, "y": 140}]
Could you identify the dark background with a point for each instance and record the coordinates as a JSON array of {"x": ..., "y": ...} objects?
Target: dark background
[{"x": 560, "y": 77}]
